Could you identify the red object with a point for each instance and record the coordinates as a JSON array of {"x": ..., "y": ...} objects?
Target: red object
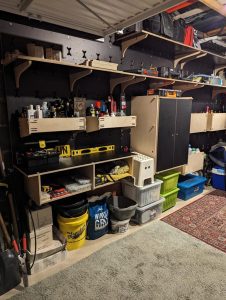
[
  {"x": 98, "y": 104},
  {"x": 180, "y": 6},
  {"x": 203, "y": 219},
  {"x": 189, "y": 36},
  {"x": 24, "y": 242},
  {"x": 15, "y": 246}
]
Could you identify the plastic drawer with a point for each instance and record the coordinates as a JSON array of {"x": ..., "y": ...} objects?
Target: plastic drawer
[
  {"x": 170, "y": 199},
  {"x": 170, "y": 180}
]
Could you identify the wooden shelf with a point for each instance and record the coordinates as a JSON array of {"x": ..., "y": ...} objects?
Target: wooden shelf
[
  {"x": 130, "y": 76},
  {"x": 31, "y": 126},
  {"x": 94, "y": 124},
  {"x": 198, "y": 122},
  {"x": 195, "y": 163}
]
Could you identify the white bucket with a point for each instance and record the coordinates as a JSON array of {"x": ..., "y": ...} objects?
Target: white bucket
[{"x": 119, "y": 226}]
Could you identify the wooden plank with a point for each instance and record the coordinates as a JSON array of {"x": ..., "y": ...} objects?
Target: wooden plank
[
  {"x": 198, "y": 122},
  {"x": 195, "y": 163},
  {"x": 216, "y": 121},
  {"x": 94, "y": 124},
  {"x": 215, "y": 5}
]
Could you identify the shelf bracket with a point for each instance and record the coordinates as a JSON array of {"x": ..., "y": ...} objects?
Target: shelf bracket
[
  {"x": 187, "y": 87},
  {"x": 119, "y": 80},
  {"x": 19, "y": 70},
  {"x": 219, "y": 68},
  {"x": 132, "y": 41},
  {"x": 135, "y": 80},
  {"x": 159, "y": 84},
  {"x": 76, "y": 76},
  {"x": 184, "y": 59},
  {"x": 9, "y": 58},
  {"x": 217, "y": 91}
]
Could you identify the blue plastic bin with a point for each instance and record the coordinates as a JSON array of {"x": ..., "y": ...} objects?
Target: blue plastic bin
[
  {"x": 218, "y": 178},
  {"x": 190, "y": 186}
]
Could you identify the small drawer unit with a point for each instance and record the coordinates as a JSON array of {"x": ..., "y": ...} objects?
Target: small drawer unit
[
  {"x": 142, "y": 195},
  {"x": 190, "y": 186},
  {"x": 143, "y": 168},
  {"x": 148, "y": 212}
]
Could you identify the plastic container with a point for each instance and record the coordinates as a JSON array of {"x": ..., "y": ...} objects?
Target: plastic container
[
  {"x": 142, "y": 195},
  {"x": 170, "y": 199},
  {"x": 74, "y": 230},
  {"x": 72, "y": 209},
  {"x": 148, "y": 212},
  {"x": 218, "y": 178},
  {"x": 121, "y": 208},
  {"x": 119, "y": 226},
  {"x": 190, "y": 186},
  {"x": 170, "y": 180}
]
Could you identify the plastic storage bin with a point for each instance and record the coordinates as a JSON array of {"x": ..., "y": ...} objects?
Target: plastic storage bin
[
  {"x": 170, "y": 199},
  {"x": 218, "y": 178},
  {"x": 142, "y": 195},
  {"x": 148, "y": 212},
  {"x": 190, "y": 186},
  {"x": 121, "y": 208},
  {"x": 170, "y": 180},
  {"x": 119, "y": 226}
]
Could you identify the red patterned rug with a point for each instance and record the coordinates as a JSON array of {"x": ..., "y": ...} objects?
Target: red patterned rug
[{"x": 204, "y": 219}]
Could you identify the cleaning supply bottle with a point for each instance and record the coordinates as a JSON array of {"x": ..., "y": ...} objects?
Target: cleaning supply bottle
[
  {"x": 97, "y": 108},
  {"x": 38, "y": 112},
  {"x": 30, "y": 112},
  {"x": 45, "y": 110},
  {"x": 123, "y": 105}
]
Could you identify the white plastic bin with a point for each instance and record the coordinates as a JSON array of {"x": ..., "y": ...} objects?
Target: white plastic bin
[
  {"x": 119, "y": 226},
  {"x": 148, "y": 212},
  {"x": 142, "y": 195}
]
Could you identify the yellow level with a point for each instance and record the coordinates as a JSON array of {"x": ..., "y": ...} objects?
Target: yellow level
[{"x": 85, "y": 151}]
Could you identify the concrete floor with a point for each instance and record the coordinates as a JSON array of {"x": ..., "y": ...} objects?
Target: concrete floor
[{"x": 93, "y": 246}]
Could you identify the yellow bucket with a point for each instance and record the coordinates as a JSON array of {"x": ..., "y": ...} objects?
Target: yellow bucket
[{"x": 74, "y": 230}]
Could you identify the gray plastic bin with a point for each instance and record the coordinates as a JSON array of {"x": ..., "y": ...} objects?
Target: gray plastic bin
[
  {"x": 148, "y": 212},
  {"x": 142, "y": 195},
  {"x": 121, "y": 208}
]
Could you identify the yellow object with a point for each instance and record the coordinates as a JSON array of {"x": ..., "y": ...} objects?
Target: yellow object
[
  {"x": 74, "y": 230},
  {"x": 117, "y": 177},
  {"x": 85, "y": 151},
  {"x": 65, "y": 150},
  {"x": 42, "y": 144}
]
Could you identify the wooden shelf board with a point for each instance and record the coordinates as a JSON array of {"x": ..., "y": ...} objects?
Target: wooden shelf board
[
  {"x": 71, "y": 163},
  {"x": 105, "y": 184},
  {"x": 126, "y": 73}
]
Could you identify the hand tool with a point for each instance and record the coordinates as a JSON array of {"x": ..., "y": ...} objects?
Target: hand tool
[
  {"x": 5, "y": 231},
  {"x": 21, "y": 254}
]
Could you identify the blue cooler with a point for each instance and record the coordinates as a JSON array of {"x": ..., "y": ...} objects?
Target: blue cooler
[
  {"x": 190, "y": 186},
  {"x": 218, "y": 178}
]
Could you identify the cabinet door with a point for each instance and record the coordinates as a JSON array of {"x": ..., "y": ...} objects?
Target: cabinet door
[
  {"x": 183, "y": 117},
  {"x": 166, "y": 134}
]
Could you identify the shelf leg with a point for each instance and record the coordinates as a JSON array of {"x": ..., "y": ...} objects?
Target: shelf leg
[
  {"x": 184, "y": 59},
  {"x": 76, "y": 76},
  {"x": 187, "y": 87},
  {"x": 132, "y": 41},
  {"x": 219, "y": 68},
  {"x": 119, "y": 80},
  {"x": 19, "y": 70}
]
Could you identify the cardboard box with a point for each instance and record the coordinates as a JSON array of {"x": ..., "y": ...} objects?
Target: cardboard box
[
  {"x": 50, "y": 261},
  {"x": 44, "y": 237},
  {"x": 42, "y": 216}
]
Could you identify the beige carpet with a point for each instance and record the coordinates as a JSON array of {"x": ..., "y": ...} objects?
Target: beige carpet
[{"x": 158, "y": 262}]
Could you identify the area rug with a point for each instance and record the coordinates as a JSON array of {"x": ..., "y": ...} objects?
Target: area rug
[
  {"x": 158, "y": 262},
  {"x": 204, "y": 219}
]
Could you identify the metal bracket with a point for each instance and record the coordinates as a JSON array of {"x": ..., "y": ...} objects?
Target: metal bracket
[
  {"x": 76, "y": 76},
  {"x": 184, "y": 59},
  {"x": 124, "y": 85},
  {"x": 218, "y": 69},
  {"x": 19, "y": 70},
  {"x": 187, "y": 87},
  {"x": 119, "y": 80},
  {"x": 159, "y": 84},
  {"x": 9, "y": 58},
  {"x": 132, "y": 41}
]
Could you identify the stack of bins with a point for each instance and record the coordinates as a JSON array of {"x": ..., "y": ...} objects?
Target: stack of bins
[
  {"x": 169, "y": 188},
  {"x": 148, "y": 200}
]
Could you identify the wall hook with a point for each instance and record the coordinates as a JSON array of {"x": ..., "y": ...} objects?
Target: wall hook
[
  {"x": 84, "y": 54},
  {"x": 69, "y": 51}
]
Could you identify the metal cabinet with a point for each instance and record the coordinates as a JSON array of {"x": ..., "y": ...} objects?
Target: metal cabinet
[{"x": 162, "y": 131}]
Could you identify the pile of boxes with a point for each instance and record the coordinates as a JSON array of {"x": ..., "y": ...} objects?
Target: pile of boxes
[{"x": 145, "y": 190}]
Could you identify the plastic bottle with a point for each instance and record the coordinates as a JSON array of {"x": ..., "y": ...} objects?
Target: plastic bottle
[
  {"x": 45, "y": 110},
  {"x": 92, "y": 110},
  {"x": 30, "y": 112},
  {"x": 189, "y": 149},
  {"x": 38, "y": 112},
  {"x": 123, "y": 105}
]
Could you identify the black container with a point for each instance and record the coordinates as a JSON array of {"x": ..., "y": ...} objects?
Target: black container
[
  {"x": 123, "y": 209},
  {"x": 72, "y": 209}
]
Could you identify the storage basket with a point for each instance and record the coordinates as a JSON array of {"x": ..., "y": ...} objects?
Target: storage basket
[
  {"x": 170, "y": 180},
  {"x": 148, "y": 212},
  {"x": 190, "y": 186},
  {"x": 170, "y": 199},
  {"x": 142, "y": 195}
]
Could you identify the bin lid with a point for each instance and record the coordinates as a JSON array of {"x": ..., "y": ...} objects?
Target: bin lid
[
  {"x": 146, "y": 207},
  {"x": 191, "y": 182}
]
